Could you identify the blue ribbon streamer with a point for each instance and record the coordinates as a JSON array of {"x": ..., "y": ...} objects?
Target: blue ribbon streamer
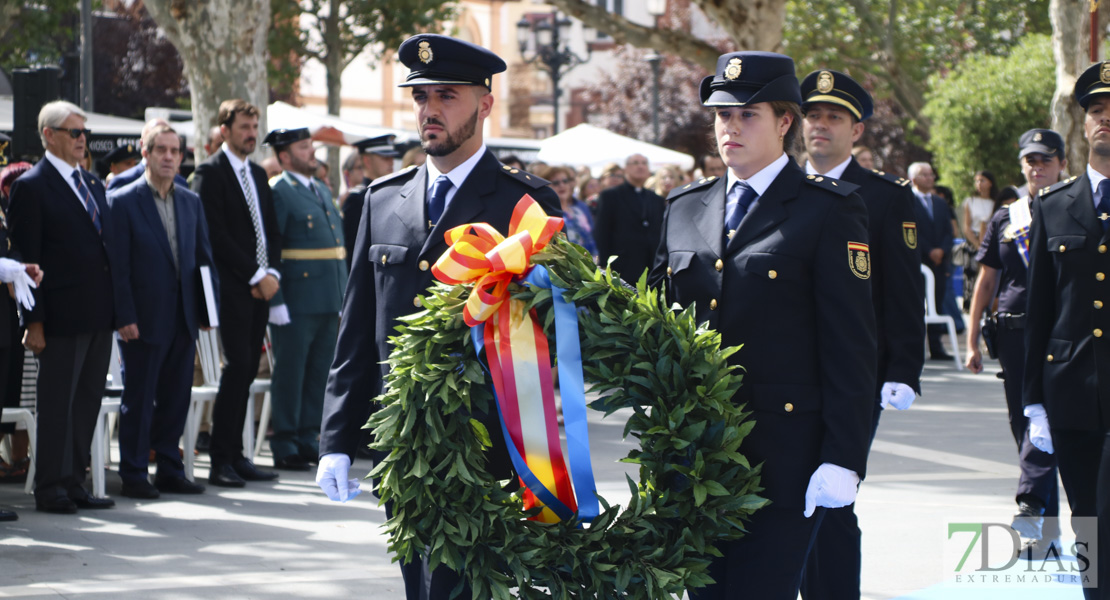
[{"x": 572, "y": 388}]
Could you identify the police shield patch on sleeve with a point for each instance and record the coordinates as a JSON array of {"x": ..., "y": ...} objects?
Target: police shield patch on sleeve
[
  {"x": 859, "y": 260},
  {"x": 909, "y": 234}
]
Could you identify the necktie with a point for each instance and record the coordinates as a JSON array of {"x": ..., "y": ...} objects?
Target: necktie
[
  {"x": 252, "y": 207},
  {"x": 438, "y": 200},
  {"x": 740, "y": 199},
  {"x": 1103, "y": 208},
  {"x": 315, "y": 192},
  {"x": 927, "y": 200},
  {"x": 90, "y": 203}
]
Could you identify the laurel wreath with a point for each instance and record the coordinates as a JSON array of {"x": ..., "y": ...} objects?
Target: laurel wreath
[{"x": 695, "y": 487}]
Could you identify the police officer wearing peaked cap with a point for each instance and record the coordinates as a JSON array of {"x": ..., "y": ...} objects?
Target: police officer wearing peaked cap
[
  {"x": 1067, "y": 331},
  {"x": 400, "y": 236},
  {"x": 835, "y": 107},
  {"x": 377, "y": 154},
  {"x": 778, "y": 261}
]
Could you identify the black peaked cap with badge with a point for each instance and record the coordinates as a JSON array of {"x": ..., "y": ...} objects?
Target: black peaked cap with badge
[
  {"x": 121, "y": 153},
  {"x": 744, "y": 78},
  {"x": 439, "y": 59},
  {"x": 1041, "y": 141},
  {"x": 280, "y": 138},
  {"x": 834, "y": 87},
  {"x": 1093, "y": 82},
  {"x": 381, "y": 145}
]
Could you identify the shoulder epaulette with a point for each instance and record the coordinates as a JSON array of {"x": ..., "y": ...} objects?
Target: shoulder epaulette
[
  {"x": 690, "y": 187},
  {"x": 896, "y": 180},
  {"x": 1057, "y": 186},
  {"x": 836, "y": 186},
  {"x": 406, "y": 172},
  {"x": 535, "y": 181},
  {"x": 273, "y": 180}
]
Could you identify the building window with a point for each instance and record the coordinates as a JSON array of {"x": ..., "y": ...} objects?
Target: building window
[{"x": 614, "y": 6}]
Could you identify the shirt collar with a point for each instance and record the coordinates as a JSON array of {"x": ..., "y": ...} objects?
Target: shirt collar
[
  {"x": 236, "y": 164},
  {"x": 1095, "y": 178},
  {"x": 764, "y": 178},
  {"x": 154, "y": 190},
  {"x": 62, "y": 166},
  {"x": 301, "y": 178},
  {"x": 836, "y": 172},
  {"x": 459, "y": 174}
]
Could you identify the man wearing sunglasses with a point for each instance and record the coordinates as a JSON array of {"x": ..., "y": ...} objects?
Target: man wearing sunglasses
[{"x": 59, "y": 219}]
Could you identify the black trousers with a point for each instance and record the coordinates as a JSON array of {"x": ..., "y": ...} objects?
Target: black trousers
[
  {"x": 157, "y": 387},
  {"x": 11, "y": 365},
  {"x": 1084, "y": 462},
  {"x": 242, "y": 329},
  {"x": 72, "y": 374}
]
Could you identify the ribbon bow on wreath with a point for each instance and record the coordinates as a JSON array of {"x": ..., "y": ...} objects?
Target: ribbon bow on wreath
[{"x": 519, "y": 360}]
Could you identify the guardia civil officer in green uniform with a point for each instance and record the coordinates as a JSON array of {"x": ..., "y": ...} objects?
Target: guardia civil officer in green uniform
[
  {"x": 1067, "y": 327},
  {"x": 305, "y": 311},
  {"x": 778, "y": 261},
  {"x": 835, "y": 107}
]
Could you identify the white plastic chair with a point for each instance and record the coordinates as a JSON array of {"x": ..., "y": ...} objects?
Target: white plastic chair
[
  {"x": 933, "y": 318},
  {"x": 106, "y": 421},
  {"x": 23, "y": 416},
  {"x": 264, "y": 416}
]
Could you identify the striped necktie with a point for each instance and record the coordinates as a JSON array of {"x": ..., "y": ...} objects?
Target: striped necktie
[
  {"x": 252, "y": 207},
  {"x": 90, "y": 202}
]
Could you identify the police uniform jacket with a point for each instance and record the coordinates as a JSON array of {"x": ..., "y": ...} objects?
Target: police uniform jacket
[
  {"x": 390, "y": 270},
  {"x": 309, "y": 222},
  {"x": 791, "y": 290},
  {"x": 352, "y": 214},
  {"x": 896, "y": 288},
  {"x": 1067, "y": 330}
]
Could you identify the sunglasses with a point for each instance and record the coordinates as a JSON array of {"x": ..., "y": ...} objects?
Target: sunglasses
[{"x": 74, "y": 133}]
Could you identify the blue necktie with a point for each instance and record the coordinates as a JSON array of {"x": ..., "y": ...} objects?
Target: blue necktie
[
  {"x": 1103, "y": 207},
  {"x": 927, "y": 200},
  {"x": 740, "y": 200},
  {"x": 90, "y": 203},
  {"x": 438, "y": 200}
]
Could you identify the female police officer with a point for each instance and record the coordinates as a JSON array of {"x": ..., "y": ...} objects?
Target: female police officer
[{"x": 778, "y": 261}]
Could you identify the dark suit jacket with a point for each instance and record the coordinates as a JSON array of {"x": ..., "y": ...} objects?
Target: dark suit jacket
[
  {"x": 784, "y": 288},
  {"x": 352, "y": 215},
  {"x": 51, "y": 228},
  {"x": 136, "y": 172},
  {"x": 393, "y": 253},
  {"x": 934, "y": 232},
  {"x": 896, "y": 286},
  {"x": 628, "y": 225},
  {"x": 149, "y": 285},
  {"x": 8, "y": 316},
  {"x": 231, "y": 231},
  {"x": 1067, "y": 337}
]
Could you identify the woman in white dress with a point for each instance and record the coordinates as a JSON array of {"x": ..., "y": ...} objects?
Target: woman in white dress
[{"x": 978, "y": 209}]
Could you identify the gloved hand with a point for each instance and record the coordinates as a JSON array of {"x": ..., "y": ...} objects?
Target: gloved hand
[
  {"x": 830, "y": 486},
  {"x": 1038, "y": 427},
  {"x": 898, "y": 395},
  {"x": 279, "y": 315},
  {"x": 10, "y": 269},
  {"x": 331, "y": 476},
  {"x": 22, "y": 286}
]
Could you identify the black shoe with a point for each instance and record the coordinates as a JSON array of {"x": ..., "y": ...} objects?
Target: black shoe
[
  {"x": 293, "y": 462},
  {"x": 141, "y": 489},
  {"x": 1028, "y": 521},
  {"x": 177, "y": 485},
  {"x": 204, "y": 441},
  {"x": 8, "y": 515},
  {"x": 225, "y": 476},
  {"x": 246, "y": 470},
  {"x": 58, "y": 505},
  {"x": 83, "y": 499}
]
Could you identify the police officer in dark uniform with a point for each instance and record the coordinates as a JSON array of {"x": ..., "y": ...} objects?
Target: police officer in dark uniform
[
  {"x": 778, "y": 261},
  {"x": 400, "y": 237},
  {"x": 1003, "y": 257},
  {"x": 835, "y": 107},
  {"x": 1067, "y": 359},
  {"x": 376, "y": 154}
]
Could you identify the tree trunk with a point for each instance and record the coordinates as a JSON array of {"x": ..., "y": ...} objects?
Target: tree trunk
[
  {"x": 1071, "y": 37},
  {"x": 334, "y": 64},
  {"x": 222, "y": 44}
]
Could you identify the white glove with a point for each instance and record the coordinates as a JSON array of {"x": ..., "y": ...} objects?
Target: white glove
[
  {"x": 22, "y": 286},
  {"x": 279, "y": 315},
  {"x": 10, "y": 270},
  {"x": 1038, "y": 427},
  {"x": 830, "y": 486},
  {"x": 331, "y": 476},
  {"x": 898, "y": 395}
]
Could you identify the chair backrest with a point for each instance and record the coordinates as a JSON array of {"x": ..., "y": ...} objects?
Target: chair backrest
[
  {"x": 208, "y": 351},
  {"x": 930, "y": 292},
  {"x": 115, "y": 377}
]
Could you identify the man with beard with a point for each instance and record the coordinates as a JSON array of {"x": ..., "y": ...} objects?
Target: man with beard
[
  {"x": 305, "y": 311},
  {"x": 400, "y": 235},
  {"x": 243, "y": 229}
]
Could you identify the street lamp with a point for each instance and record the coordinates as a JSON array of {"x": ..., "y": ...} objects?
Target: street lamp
[
  {"x": 547, "y": 37},
  {"x": 655, "y": 8}
]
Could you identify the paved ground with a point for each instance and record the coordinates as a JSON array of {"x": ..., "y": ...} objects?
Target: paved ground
[{"x": 948, "y": 459}]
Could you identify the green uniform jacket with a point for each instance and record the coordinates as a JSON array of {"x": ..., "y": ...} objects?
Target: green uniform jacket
[{"x": 308, "y": 222}]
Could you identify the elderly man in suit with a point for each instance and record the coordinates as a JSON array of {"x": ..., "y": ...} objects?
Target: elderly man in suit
[
  {"x": 136, "y": 172},
  {"x": 162, "y": 241},
  {"x": 59, "y": 220},
  {"x": 243, "y": 230},
  {"x": 934, "y": 239},
  {"x": 400, "y": 235},
  {"x": 629, "y": 221},
  {"x": 315, "y": 275}
]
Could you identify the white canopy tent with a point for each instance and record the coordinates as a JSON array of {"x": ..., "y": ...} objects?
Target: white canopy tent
[{"x": 594, "y": 147}]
